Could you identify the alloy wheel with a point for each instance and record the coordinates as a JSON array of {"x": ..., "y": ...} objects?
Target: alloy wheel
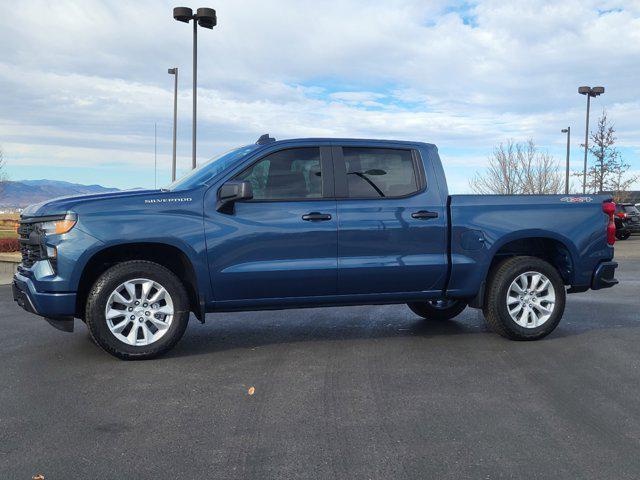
[
  {"x": 531, "y": 299},
  {"x": 139, "y": 312}
]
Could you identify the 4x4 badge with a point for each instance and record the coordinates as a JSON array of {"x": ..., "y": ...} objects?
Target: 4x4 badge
[{"x": 577, "y": 199}]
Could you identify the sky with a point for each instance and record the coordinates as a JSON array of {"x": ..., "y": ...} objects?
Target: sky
[{"x": 82, "y": 84}]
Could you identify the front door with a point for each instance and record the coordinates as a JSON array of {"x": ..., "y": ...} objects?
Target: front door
[
  {"x": 283, "y": 242},
  {"x": 392, "y": 224}
]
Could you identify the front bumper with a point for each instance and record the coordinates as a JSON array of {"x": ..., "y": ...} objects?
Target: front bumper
[
  {"x": 603, "y": 276},
  {"x": 57, "y": 308},
  {"x": 22, "y": 299}
]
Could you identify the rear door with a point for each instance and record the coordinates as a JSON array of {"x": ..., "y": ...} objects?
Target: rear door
[
  {"x": 392, "y": 225},
  {"x": 283, "y": 242}
]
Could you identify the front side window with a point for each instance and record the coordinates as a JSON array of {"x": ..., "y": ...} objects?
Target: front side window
[
  {"x": 379, "y": 172},
  {"x": 285, "y": 175}
]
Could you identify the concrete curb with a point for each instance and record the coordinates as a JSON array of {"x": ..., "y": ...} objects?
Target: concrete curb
[{"x": 8, "y": 264}]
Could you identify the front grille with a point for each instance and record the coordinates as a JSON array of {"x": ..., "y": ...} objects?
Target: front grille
[
  {"x": 29, "y": 239},
  {"x": 25, "y": 229},
  {"x": 30, "y": 255}
]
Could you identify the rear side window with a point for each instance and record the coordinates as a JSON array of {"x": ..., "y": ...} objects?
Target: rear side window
[
  {"x": 379, "y": 172},
  {"x": 630, "y": 209},
  {"x": 286, "y": 175}
]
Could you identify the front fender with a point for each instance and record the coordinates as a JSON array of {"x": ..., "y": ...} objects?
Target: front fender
[{"x": 196, "y": 259}]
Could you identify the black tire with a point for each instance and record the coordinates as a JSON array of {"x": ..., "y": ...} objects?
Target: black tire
[
  {"x": 495, "y": 308},
  {"x": 623, "y": 235},
  {"x": 438, "y": 309},
  {"x": 108, "y": 282}
]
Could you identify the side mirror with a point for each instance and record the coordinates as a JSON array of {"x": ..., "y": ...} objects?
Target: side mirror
[{"x": 230, "y": 193}]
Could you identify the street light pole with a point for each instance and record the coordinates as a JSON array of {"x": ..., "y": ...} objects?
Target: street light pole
[
  {"x": 586, "y": 147},
  {"x": 589, "y": 92},
  {"x": 566, "y": 179},
  {"x": 174, "y": 71},
  {"x": 205, "y": 17},
  {"x": 155, "y": 155},
  {"x": 195, "y": 94}
]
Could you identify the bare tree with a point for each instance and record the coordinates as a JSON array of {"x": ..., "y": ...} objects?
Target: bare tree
[
  {"x": 609, "y": 171},
  {"x": 605, "y": 153},
  {"x": 500, "y": 177},
  {"x": 619, "y": 182},
  {"x": 518, "y": 168}
]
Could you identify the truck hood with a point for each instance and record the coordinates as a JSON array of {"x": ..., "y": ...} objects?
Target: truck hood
[{"x": 62, "y": 205}]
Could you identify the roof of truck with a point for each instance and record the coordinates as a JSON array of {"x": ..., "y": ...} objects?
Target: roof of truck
[{"x": 264, "y": 140}]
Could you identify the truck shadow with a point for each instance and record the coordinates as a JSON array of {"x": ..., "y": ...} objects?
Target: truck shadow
[
  {"x": 252, "y": 330},
  {"x": 249, "y": 330}
]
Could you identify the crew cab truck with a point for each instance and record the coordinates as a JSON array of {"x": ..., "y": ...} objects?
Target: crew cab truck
[{"x": 308, "y": 223}]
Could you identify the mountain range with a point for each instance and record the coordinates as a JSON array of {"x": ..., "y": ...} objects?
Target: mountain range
[{"x": 19, "y": 194}]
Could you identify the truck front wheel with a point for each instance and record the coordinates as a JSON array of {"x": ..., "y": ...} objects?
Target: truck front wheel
[
  {"x": 525, "y": 298},
  {"x": 441, "y": 309},
  {"x": 137, "y": 310}
]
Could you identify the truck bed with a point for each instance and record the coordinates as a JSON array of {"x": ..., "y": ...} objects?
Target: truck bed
[{"x": 569, "y": 227}]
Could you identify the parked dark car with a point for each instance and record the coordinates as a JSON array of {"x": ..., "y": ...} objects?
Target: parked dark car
[
  {"x": 627, "y": 220},
  {"x": 309, "y": 223}
]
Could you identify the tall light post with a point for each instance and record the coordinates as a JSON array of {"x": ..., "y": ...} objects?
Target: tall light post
[
  {"x": 174, "y": 72},
  {"x": 589, "y": 92},
  {"x": 155, "y": 155},
  {"x": 205, "y": 17},
  {"x": 566, "y": 179}
]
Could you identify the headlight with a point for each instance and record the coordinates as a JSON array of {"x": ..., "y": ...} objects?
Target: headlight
[{"x": 57, "y": 227}]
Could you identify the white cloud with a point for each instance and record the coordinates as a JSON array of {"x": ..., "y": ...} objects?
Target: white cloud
[{"x": 89, "y": 78}]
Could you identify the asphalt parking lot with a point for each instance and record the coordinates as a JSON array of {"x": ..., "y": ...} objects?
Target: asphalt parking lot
[{"x": 358, "y": 392}]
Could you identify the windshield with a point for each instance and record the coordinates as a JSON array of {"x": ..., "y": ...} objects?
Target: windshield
[{"x": 205, "y": 172}]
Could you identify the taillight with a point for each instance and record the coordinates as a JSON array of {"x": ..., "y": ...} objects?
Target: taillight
[
  {"x": 622, "y": 215},
  {"x": 610, "y": 209}
]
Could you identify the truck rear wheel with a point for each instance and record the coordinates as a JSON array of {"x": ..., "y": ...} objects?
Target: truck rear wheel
[
  {"x": 525, "y": 298},
  {"x": 441, "y": 309},
  {"x": 137, "y": 310}
]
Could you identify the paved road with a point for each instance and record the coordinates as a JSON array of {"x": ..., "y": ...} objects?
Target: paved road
[{"x": 348, "y": 393}]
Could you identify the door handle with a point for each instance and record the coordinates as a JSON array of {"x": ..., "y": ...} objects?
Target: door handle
[
  {"x": 424, "y": 215},
  {"x": 316, "y": 216}
]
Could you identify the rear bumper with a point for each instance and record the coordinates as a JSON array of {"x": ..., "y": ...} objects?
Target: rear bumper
[{"x": 603, "y": 276}]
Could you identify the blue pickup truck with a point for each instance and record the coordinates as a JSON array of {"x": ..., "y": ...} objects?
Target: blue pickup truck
[{"x": 308, "y": 223}]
